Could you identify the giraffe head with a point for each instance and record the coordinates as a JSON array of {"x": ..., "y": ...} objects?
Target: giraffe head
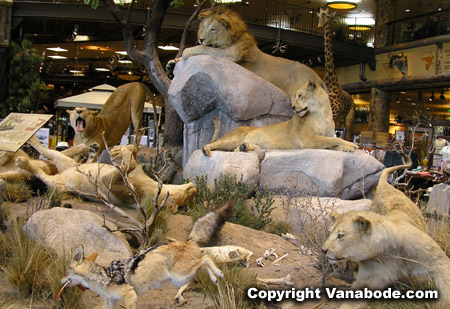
[{"x": 325, "y": 15}]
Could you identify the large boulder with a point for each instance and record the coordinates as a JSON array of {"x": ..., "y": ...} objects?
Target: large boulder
[
  {"x": 304, "y": 172},
  {"x": 220, "y": 163},
  {"x": 299, "y": 211},
  {"x": 62, "y": 229},
  {"x": 205, "y": 87},
  {"x": 320, "y": 172}
]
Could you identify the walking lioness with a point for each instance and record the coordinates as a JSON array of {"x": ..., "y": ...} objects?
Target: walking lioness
[
  {"x": 389, "y": 242},
  {"x": 124, "y": 106},
  {"x": 311, "y": 126}
]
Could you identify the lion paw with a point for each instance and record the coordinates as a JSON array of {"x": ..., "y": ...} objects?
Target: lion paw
[
  {"x": 23, "y": 163},
  {"x": 117, "y": 152},
  {"x": 346, "y": 148},
  {"x": 242, "y": 148},
  {"x": 94, "y": 147},
  {"x": 170, "y": 66},
  {"x": 206, "y": 151}
]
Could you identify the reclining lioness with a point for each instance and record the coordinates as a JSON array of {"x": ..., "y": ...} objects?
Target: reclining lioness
[
  {"x": 311, "y": 126},
  {"x": 74, "y": 177}
]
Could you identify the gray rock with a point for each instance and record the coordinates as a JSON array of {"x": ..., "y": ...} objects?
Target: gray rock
[
  {"x": 205, "y": 87},
  {"x": 320, "y": 172},
  {"x": 220, "y": 163},
  {"x": 62, "y": 229},
  {"x": 312, "y": 209}
]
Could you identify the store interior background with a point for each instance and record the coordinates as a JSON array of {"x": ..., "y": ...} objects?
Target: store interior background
[{"x": 80, "y": 53}]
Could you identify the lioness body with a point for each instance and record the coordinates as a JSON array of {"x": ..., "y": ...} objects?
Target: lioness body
[
  {"x": 74, "y": 178},
  {"x": 11, "y": 173},
  {"x": 124, "y": 106},
  {"x": 222, "y": 33},
  {"x": 311, "y": 126},
  {"x": 389, "y": 242}
]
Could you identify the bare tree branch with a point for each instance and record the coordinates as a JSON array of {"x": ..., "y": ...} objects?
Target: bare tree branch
[{"x": 192, "y": 19}]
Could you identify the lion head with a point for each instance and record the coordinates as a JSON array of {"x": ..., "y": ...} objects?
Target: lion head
[
  {"x": 81, "y": 118},
  {"x": 351, "y": 237},
  {"x": 311, "y": 98},
  {"x": 220, "y": 27}
]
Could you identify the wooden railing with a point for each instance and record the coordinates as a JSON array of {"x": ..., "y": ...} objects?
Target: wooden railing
[
  {"x": 419, "y": 27},
  {"x": 270, "y": 13}
]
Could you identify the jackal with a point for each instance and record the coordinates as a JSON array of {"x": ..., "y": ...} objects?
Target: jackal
[{"x": 125, "y": 279}]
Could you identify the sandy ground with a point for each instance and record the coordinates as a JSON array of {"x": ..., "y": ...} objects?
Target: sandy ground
[{"x": 301, "y": 267}]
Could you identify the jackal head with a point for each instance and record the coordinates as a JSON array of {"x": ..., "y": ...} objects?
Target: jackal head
[{"x": 82, "y": 270}]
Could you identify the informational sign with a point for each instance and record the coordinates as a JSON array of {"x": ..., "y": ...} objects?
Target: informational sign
[{"x": 17, "y": 128}]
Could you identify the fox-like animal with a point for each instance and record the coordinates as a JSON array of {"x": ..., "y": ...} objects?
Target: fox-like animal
[{"x": 126, "y": 279}]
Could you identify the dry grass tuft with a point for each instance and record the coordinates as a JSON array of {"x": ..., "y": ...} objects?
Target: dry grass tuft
[
  {"x": 34, "y": 270},
  {"x": 17, "y": 192},
  {"x": 232, "y": 290}
]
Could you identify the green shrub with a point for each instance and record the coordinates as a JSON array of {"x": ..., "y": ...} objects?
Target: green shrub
[
  {"x": 158, "y": 230},
  {"x": 278, "y": 228},
  {"x": 227, "y": 187}
]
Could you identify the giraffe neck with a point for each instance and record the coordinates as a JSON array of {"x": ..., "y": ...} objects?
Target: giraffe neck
[{"x": 330, "y": 75}]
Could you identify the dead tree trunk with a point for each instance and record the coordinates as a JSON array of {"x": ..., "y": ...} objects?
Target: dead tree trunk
[{"x": 148, "y": 56}]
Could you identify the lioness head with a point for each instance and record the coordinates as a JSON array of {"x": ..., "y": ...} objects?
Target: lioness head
[
  {"x": 311, "y": 98},
  {"x": 81, "y": 118},
  {"x": 350, "y": 238},
  {"x": 220, "y": 27}
]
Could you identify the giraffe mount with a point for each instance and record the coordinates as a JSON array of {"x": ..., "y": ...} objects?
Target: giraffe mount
[{"x": 342, "y": 104}]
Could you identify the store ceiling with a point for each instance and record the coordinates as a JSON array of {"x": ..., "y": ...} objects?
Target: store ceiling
[{"x": 96, "y": 44}]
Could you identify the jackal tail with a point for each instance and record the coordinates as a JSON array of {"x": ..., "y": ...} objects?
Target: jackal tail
[{"x": 206, "y": 227}]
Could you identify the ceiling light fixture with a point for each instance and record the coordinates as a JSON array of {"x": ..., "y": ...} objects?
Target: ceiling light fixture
[
  {"x": 341, "y": 5},
  {"x": 228, "y": 1},
  {"x": 57, "y": 57},
  {"x": 431, "y": 97},
  {"x": 102, "y": 69},
  {"x": 407, "y": 10},
  {"x": 57, "y": 49},
  {"x": 359, "y": 27},
  {"x": 168, "y": 47},
  {"x": 81, "y": 38},
  {"x": 122, "y": 52}
]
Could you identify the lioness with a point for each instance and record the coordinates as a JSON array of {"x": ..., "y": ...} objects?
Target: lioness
[
  {"x": 74, "y": 177},
  {"x": 223, "y": 33},
  {"x": 389, "y": 245},
  {"x": 124, "y": 106},
  {"x": 9, "y": 172},
  {"x": 311, "y": 126}
]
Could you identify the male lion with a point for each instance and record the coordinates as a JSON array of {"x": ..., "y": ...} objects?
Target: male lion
[
  {"x": 124, "y": 106},
  {"x": 311, "y": 126},
  {"x": 91, "y": 179},
  {"x": 389, "y": 245},
  {"x": 223, "y": 33}
]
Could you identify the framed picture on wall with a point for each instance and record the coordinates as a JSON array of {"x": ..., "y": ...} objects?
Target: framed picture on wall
[{"x": 400, "y": 136}]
